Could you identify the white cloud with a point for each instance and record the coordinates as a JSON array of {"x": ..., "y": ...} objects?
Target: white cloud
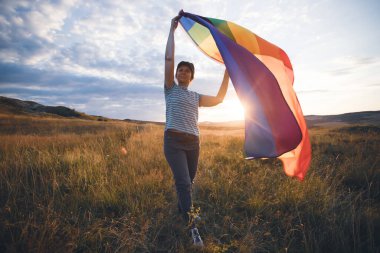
[
  {"x": 4, "y": 21},
  {"x": 46, "y": 19}
]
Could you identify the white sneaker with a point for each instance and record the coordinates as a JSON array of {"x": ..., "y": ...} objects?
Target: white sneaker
[
  {"x": 197, "y": 219},
  {"x": 197, "y": 240},
  {"x": 194, "y": 221}
]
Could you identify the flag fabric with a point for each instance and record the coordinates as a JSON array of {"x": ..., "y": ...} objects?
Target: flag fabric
[{"x": 262, "y": 76}]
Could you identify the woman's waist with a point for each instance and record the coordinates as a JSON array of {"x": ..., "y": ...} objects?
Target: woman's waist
[{"x": 181, "y": 135}]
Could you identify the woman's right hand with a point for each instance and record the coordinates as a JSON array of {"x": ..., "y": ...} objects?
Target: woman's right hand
[{"x": 174, "y": 23}]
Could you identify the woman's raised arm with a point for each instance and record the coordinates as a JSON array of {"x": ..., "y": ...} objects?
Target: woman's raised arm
[
  {"x": 169, "y": 54},
  {"x": 208, "y": 101}
]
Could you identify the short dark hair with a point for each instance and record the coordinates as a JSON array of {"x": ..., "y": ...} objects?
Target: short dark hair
[{"x": 187, "y": 64}]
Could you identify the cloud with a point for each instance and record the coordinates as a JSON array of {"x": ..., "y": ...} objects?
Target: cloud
[
  {"x": 311, "y": 91},
  {"x": 30, "y": 28},
  {"x": 350, "y": 64},
  {"x": 275, "y": 18},
  {"x": 374, "y": 85},
  {"x": 28, "y": 81}
]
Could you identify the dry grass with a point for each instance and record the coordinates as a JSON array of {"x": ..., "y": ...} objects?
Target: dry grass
[{"x": 66, "y": 186}]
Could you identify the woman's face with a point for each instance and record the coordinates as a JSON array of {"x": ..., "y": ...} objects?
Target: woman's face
[{"x": 183, "y": 75}]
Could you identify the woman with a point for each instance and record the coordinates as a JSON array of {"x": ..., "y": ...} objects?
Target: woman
[{"x": 181, "y": 138}]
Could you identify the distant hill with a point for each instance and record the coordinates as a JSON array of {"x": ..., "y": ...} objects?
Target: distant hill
[
  {"x": 21, "y": 107},
  {"x": 366, "y": 117},
  {"x": 16, "y": 106}
]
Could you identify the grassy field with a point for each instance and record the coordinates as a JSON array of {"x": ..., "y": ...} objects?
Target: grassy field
[{"x": 88, "y": 186}]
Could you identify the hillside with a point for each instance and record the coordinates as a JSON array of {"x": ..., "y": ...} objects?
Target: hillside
[
  {"x": 21, "y": 107},
  {"x": 366, "y": 117}
]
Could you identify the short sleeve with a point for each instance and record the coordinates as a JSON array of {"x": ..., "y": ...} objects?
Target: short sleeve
[
  {"x": 166, "y": 90},
  {"x": 198, "y": 98}
]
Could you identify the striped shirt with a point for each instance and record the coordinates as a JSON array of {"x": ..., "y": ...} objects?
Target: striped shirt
[{"x": 182, "y": 109}]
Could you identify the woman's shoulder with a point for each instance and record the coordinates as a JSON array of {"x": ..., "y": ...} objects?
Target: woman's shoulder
[
  {"x": 173, "y": 86},
  {"x": 167, "y": 87}
]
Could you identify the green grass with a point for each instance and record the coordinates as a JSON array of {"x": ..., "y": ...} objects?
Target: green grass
[{"x": 65, "y": 186}]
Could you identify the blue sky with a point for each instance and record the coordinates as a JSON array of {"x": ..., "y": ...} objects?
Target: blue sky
[{"x": 106, "y": 57}]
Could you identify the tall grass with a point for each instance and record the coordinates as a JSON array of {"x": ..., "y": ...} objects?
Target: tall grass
[{"x": 67, "y": 186}]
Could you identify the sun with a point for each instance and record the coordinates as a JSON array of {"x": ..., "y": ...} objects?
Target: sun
[
  {"x": 236, "y": 108},
  {"x": 231, "y": 109}
]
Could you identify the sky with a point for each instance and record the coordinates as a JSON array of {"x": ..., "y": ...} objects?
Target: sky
[{"x": 107, "y": 57}]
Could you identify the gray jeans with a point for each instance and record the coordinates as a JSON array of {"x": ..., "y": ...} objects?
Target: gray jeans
[{"x": 182, "y": 153}]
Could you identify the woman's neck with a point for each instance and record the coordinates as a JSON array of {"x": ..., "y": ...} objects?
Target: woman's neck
[{"x": 183, "y": 85}]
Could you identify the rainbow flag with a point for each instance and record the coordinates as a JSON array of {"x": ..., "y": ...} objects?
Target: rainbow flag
[{"x": 262, "y": 76}]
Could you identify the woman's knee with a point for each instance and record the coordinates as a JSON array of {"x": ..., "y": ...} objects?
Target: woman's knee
[{"x": 183, "y": 187}]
